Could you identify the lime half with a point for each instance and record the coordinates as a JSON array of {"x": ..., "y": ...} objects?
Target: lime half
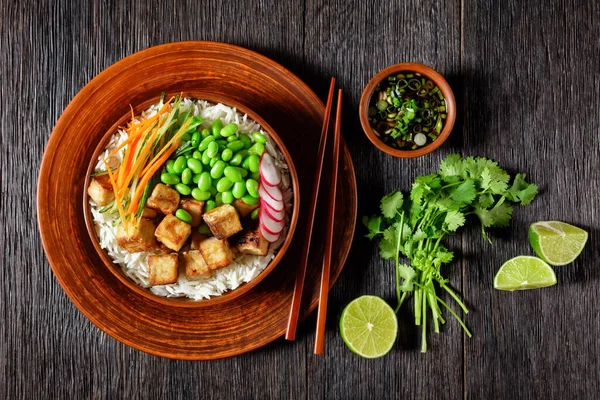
[
  {"x": 369, "y": 326},
  {"x": 524, "y": 272},
  {"x": 556, "y": 242}
]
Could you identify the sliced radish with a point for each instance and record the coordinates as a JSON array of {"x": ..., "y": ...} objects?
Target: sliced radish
[
  {"x": 276, "y": 205},
  {"x": 268, "y": 171},
  {"x": 270, "y": 237},
  {"x": 264, "y": 181},
  {"x": 276, "y": 215},
  {"x": 274, "y": 192},
  {"x": 269, "y": 223}
]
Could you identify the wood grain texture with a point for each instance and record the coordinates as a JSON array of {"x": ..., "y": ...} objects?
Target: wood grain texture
[{"x": 508, "y": 65}]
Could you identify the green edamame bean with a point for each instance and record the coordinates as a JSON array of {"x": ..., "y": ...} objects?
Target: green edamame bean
[
  {"x": 205, "y": 181},
  {"x": 183, "y": 215},
  {"x": 232, "y": 138},
  {"x": 219, "y": 199},
  {"x": 197, "y": 155},
  {"x": 170, "y": 165},
  {"x": 205, "y": 158},
  {"x": 233, "y": 173},
  {"x": 200, "y": 195},
  {"x": 229, "y": 129},
  {"x": 226, "y": 155},
  {"x": 196, "y": 178},
  {"x": 252, "y": 187},
  {"x": 217, "y": 125},
  {"x": 180, "y": 164},
  {"x": 259, "y": 138},
  {"x": 221, "y": 142},
  {"x": 222, "y": 147},
  {"x": 257, "y": 148},
  {"x": 246, "y": 140},
  {"x": 227, "y": 197},
  {"x": 194, "y": 165},
  {"x": 204, "y": 133},
  {"x": 255, "y": 213},
  {"x": 169, "y": 179},
  {"x": 186, "y": 175},
  {"x": 236, "y": 159},
  {"x": 255, "y": 176},
  {"x": 213, "y": 149},
  {"x": 213, "y": 161},
  {"x": 209, "y": 205},
  {"x": 244, "y": 153},
  {"x": 217, "y": 170},
  {"x": 253, "y": 163},
  {"x": 213, "y": 190},
  {"x": 239, "y": 189},
  {"x": 246, "y": 163},
  {"x": 183, "y": 189},
  {"x": 236, "y": 145},
  {"x": 249, "y": 200},
  {"x": 196, "y": 139},
  {"x": 204, "y": 143},
  {"x": 204, "y": 229},
  {"x": 224, "y": 184},
  {"x": 243, "y": 172}
]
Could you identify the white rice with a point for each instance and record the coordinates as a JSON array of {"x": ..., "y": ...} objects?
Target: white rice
[{"x": 243, "y": 269}]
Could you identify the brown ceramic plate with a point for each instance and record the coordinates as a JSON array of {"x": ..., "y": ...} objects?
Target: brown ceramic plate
[
  {"x": 184, "y": 301},
  {"x": 253, "y": 319}
]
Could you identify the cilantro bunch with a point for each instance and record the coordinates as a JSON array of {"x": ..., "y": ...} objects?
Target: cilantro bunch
[{"x": 438, "y": 205}]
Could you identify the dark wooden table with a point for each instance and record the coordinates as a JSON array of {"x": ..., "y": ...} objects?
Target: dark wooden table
[{"x": 527, "y": 79}]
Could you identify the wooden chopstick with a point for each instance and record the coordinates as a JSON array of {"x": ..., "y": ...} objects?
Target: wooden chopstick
[
  {"x": 290, "y": 333},
  {"x": 324, "y": 293}
]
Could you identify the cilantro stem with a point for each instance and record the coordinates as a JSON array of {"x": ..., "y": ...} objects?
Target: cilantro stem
[
  {"x": 451, "y": 292},
  {"x": 398, "y": 261},
  {"x": 401, "y": 301},
  {"x": 424, "y": 328},
  {"x": 460, "y": 321}
]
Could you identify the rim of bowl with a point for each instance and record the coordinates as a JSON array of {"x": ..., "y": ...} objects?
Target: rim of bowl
[
  {"x": 186, "y": 301},
  {"x": 440, "y": 82}
]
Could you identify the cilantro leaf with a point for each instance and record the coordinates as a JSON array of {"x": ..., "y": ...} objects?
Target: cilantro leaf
[
  {"x": 454, "y": 220},
  {"x": 494, "y": 180},
  {"x": 387, "y": 249},
  {"x": 498, "y": 216},
  {"x": 463, "y": 193},
  {"x": 407, "y": 274},
  {"x": 373, "y": 224},
  {"x": 391, "y": 204},
  {"x": 485, "y": 200},
  {"x": 452, "y": 165},
  {"x": 521, "y": 191}
]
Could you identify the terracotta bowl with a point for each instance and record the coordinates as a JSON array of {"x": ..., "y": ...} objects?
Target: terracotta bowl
[
  {"x": 393, "y": 70},
  {"x": 184, "y": 301}
]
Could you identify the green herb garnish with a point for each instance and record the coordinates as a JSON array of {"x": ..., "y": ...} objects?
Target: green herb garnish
[{"x": 438, "y": 205}]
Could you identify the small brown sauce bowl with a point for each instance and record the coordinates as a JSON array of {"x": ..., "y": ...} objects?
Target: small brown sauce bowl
[
  {"x": 184, "y": 301},
  {"x": 427, "y": 72}
]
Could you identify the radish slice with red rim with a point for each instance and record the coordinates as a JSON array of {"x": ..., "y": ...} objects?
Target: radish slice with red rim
[
  {"x": 274, "y": 192},
  {"x": 270, "y": 237},
  {"x": 269, "y": 223},
  {"x": 268, "y": 171},
  {"x": 264, "y": 181},
  {"x": 276, "y": 205},
  {"x": 276, "y": 215}
]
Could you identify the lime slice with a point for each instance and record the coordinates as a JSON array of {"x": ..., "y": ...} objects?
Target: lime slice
[
  {"x": 556, "y": 242},
  {"x": 369, "y": 326},
  {"x": 524, "y": 272}
]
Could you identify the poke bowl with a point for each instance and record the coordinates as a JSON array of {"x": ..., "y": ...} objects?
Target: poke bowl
[{"x": 191, "y": 199}]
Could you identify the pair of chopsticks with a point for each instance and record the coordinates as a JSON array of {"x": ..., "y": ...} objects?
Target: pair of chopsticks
[{"x": 301, "y": 272}]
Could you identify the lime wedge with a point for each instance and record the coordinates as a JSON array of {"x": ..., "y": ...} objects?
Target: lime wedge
[
  {"x": 369, "y": 326},
  {"x": 556, "y": 242},
  {"x": 524, "y": 272}
]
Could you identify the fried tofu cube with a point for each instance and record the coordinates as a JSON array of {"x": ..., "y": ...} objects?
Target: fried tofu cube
[
  {"x": 244, "y": 208},
  {"x": 101, "y": 190},
  {"x": 163, "y": 199},
  {"x": 197, "y": 238},
  {"x": 195, "y": 208},
  {"x": 163, "y": 268},
  {"x": 223, "y": 221},
  {"x": 137, "y": 238},
  {"x": 217, "y": 253},
  {"x": 251, "y": 241},
  {"x": 195, "y": 266},
  {"x": 173, "y": 232},
  {"x": 149, "y": 213}
]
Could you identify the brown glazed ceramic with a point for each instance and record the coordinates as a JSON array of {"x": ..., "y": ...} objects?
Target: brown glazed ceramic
[
  {"x": 432, "y": 74},
  {"x": 183, "y": 301},
  {"x": 215, "y": 71}
]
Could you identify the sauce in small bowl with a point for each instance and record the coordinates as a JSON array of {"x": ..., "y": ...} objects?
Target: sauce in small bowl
[{"x": 407, "y": 110}]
